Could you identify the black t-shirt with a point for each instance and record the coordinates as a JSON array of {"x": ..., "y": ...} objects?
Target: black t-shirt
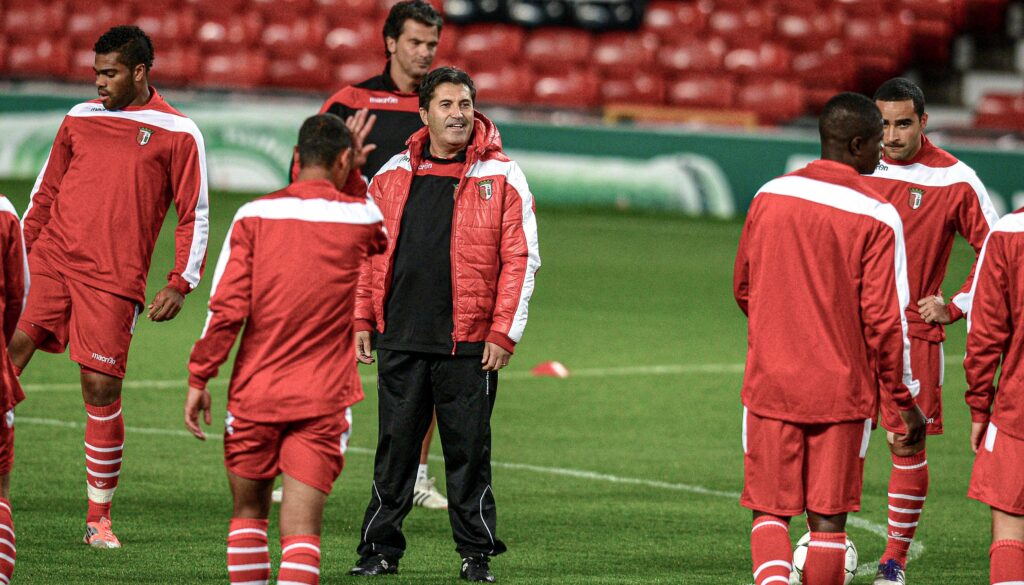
[{"x": 418, "y": 310}]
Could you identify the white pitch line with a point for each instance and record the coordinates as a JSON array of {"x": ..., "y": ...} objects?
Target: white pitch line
[
  {"x": 916, "y": 548},
  {"x": 652, "y": 370}
]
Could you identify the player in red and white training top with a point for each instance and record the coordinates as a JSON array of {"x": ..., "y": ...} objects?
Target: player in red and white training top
[
  {"x": 937, "y": 197},
  {"x": 821, "y": 275},
  {"x": 96, "y": 210},
  {"x": 14, "y": 282},
  {"x": 997, "y": 418},
  {"x": 288, "y": 273}
]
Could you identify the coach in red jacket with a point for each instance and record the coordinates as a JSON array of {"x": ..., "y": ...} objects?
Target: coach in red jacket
[{"x": 448, "y": 300}]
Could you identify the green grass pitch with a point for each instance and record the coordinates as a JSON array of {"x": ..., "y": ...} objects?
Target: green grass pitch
[{"x": 626, "y": 472}]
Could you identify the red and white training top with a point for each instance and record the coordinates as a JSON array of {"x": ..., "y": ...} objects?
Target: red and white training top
[
  {"x": 98, "y": 204},
  {"x": 288, "y": 272},
  {"x": 937, "y": 197},
  {"x": 821, "y": 275},
  {"x": 994, "y": 334},
  {"x": 14, "y": 282}
]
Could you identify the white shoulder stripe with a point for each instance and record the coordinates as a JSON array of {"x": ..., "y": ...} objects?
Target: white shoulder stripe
[
  {"x": 312, "y": 210},
  {"x": 852, "y": 201},
  {"x": 6, "y": 205},
  {"x": 165, "y": 120},
  {"x": 1011, "y": 222},
  {"x": 517, "y": 180},
  {"x": 399, "y": 161},
  {"x": 488, "y": 168},
  {"x": 836, "y": 196},
  {"x": 920, "y": 174}
]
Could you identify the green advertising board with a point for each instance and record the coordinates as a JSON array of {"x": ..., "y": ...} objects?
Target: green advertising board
[{"x": 249, "y": 145}]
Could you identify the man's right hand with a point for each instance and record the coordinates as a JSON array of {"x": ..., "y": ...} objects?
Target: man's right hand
[
  {"x": 363, "y": 348},
  {"x": 977, "y": 434},
  {"x": 916, "y": 423}
]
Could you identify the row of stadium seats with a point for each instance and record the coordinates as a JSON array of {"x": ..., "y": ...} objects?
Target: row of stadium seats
[
  {"x": 691, "y": 53},
  {"x": 1001, "y": 111}
]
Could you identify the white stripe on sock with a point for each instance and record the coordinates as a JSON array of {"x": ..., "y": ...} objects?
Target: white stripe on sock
[
  {"x": 300, "y": 567},
  {"x": 247, "y": 531},
  {"x": 104, "y": 449},
  {"x": 916, "y": 466},
  {"x": 823, "y": 544},
  {"x": 103, "y": 418},
  {"x": 906, "y": 497},
  {"x": 776, "y": 579},
  {"x": 251, "y": 567},
  {"x": 241, "y": 550},
  {"x": 770, "y": 523},
  {"x": 103, "y": 461},
  {"x": 903, "y": 524},
  {"x": 771, "y": 564},
  {"x": 905, "y": 510},
  {"x": 290, "y": 547}
]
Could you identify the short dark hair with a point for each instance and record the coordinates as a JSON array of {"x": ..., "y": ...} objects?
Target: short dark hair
[
  {"x": 900, "y": 89},
  {"x": 444, "y": 75},
  {"x": 418, "y": 10},
  {"x": 321, "y": 140},
  {"x": 848, "y": 115},
  {"x": 131, "y": 44}
]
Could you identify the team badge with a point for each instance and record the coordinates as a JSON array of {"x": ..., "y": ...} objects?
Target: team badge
[
  {"x": 143, "y": 136},
  {"x": 486, "y": 189},
  {"x": 915, "y": 197}
]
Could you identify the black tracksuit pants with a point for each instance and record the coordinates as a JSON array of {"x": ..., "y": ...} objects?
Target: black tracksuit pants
[{"x": 410, "y": 387}]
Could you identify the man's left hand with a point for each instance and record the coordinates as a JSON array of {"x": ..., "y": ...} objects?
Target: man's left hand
[
  {"x": 360, "y": 124},
  {"x": 166, "y": 304},
  {"x": 495, "y": 357},
  {"x": 933, "y": 309}
]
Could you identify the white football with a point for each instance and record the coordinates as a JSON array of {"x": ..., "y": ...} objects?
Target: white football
[{"x": 800, "y": 555}]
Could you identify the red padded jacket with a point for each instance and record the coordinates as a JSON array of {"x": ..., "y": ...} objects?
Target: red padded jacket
[{"x": 495, "y": 254}]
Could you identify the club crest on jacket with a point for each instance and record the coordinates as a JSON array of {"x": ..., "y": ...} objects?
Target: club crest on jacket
[
  {"x": 486, "y": 189},
  {"x": 915, "y": 197},
  {"x": 143, "y": 136}
]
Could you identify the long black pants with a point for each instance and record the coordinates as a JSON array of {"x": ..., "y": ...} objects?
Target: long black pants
[{"x": 410, "y": 387}]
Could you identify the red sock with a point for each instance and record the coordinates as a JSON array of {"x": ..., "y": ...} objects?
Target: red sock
[
  {"x": 7, "y": 550},
  {"x": 104, "y": 443},
  {"x": 770, "y": 550},
  {"x": 826, "y": 559},
  {"x": 300, "y": 560},
  {"x": 908, "y": 487},
  {"x": 248, "y": 555},
  {"x": 1007, "y": 562}
]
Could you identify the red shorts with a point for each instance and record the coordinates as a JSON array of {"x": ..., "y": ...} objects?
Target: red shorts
[
  {"x": 998, "y": 475},
  {"x": 6, "y": 442},
  {"x": 929, "y": 367},
  {"x": 99, "y": 325},
  {"x": 311, "y": 451},
  {"x": 789, "y": 468}
]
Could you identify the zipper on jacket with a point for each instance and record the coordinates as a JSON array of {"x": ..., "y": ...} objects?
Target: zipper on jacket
[{"x": 455, "y": 294}]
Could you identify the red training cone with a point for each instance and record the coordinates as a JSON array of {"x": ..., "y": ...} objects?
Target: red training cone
[{"x": 552, "y": 369}]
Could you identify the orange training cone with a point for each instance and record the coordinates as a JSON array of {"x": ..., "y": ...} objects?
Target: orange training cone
[{"x": 552, "y": 369}]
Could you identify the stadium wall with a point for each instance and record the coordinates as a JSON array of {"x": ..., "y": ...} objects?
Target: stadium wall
[{"x": 698, "y": 173}]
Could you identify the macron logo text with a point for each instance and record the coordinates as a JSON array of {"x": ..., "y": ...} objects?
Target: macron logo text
[
  {"x": 384, "y": 100},
  {"x": 104, "y": 359}
]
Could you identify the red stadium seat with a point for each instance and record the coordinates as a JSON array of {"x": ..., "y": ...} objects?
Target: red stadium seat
[
  {"x": 29, "y": 19},
  {"x": 81, "y": 66},
  {"x": 348, "y": 11},
  {"x": 359, "y": 36},
  {"x": 932, "y": 41},
  {"x": 508, "y": 84},
  {"x": 828, "y": 67},
  {"x": 809, "y": 30},
  {"x": 165, "y": 26},
  {"x": 879, "y": 34},
  {"x": 233, "y": 69},
  {"x": 874, "y": 70},
  {"x": 176, "y": 64},
  {"x": 220, "y": 8},
  {"x": 1001, "y": 112},
  {"x": 86, "y": 24},
  {"x": 3, "y": 53},
  {"x": 483, "y": 43},
  {"x": 447, "y": 48},
  {"x": 38, "y": 57},
  {"x": 355, "y": 71},
  {"x": 294, "y": 37},
  {"x": 618, "y": 50},
  {"x": 770, "y": 59},
  {"x": 864, "y": 7},
  {"x": 633, "y": 88},
  {"x": 557, "y": 50},
  {"x": 693, "y": 55},
  {"x": 576, "y": 89},
  {"x": 950, "y": 11},
  {"x": 703, "y": 91},
  {"x": 305, "y": 71},
  {"x": 745, "y": 27},
  {"x": 225, "y": 33},
  {"x": 774, "y": 100},
  {"x": 283, "y": 10},
  {"x": 673, "y": 20},
  {"x": 817, "y": 97}
]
